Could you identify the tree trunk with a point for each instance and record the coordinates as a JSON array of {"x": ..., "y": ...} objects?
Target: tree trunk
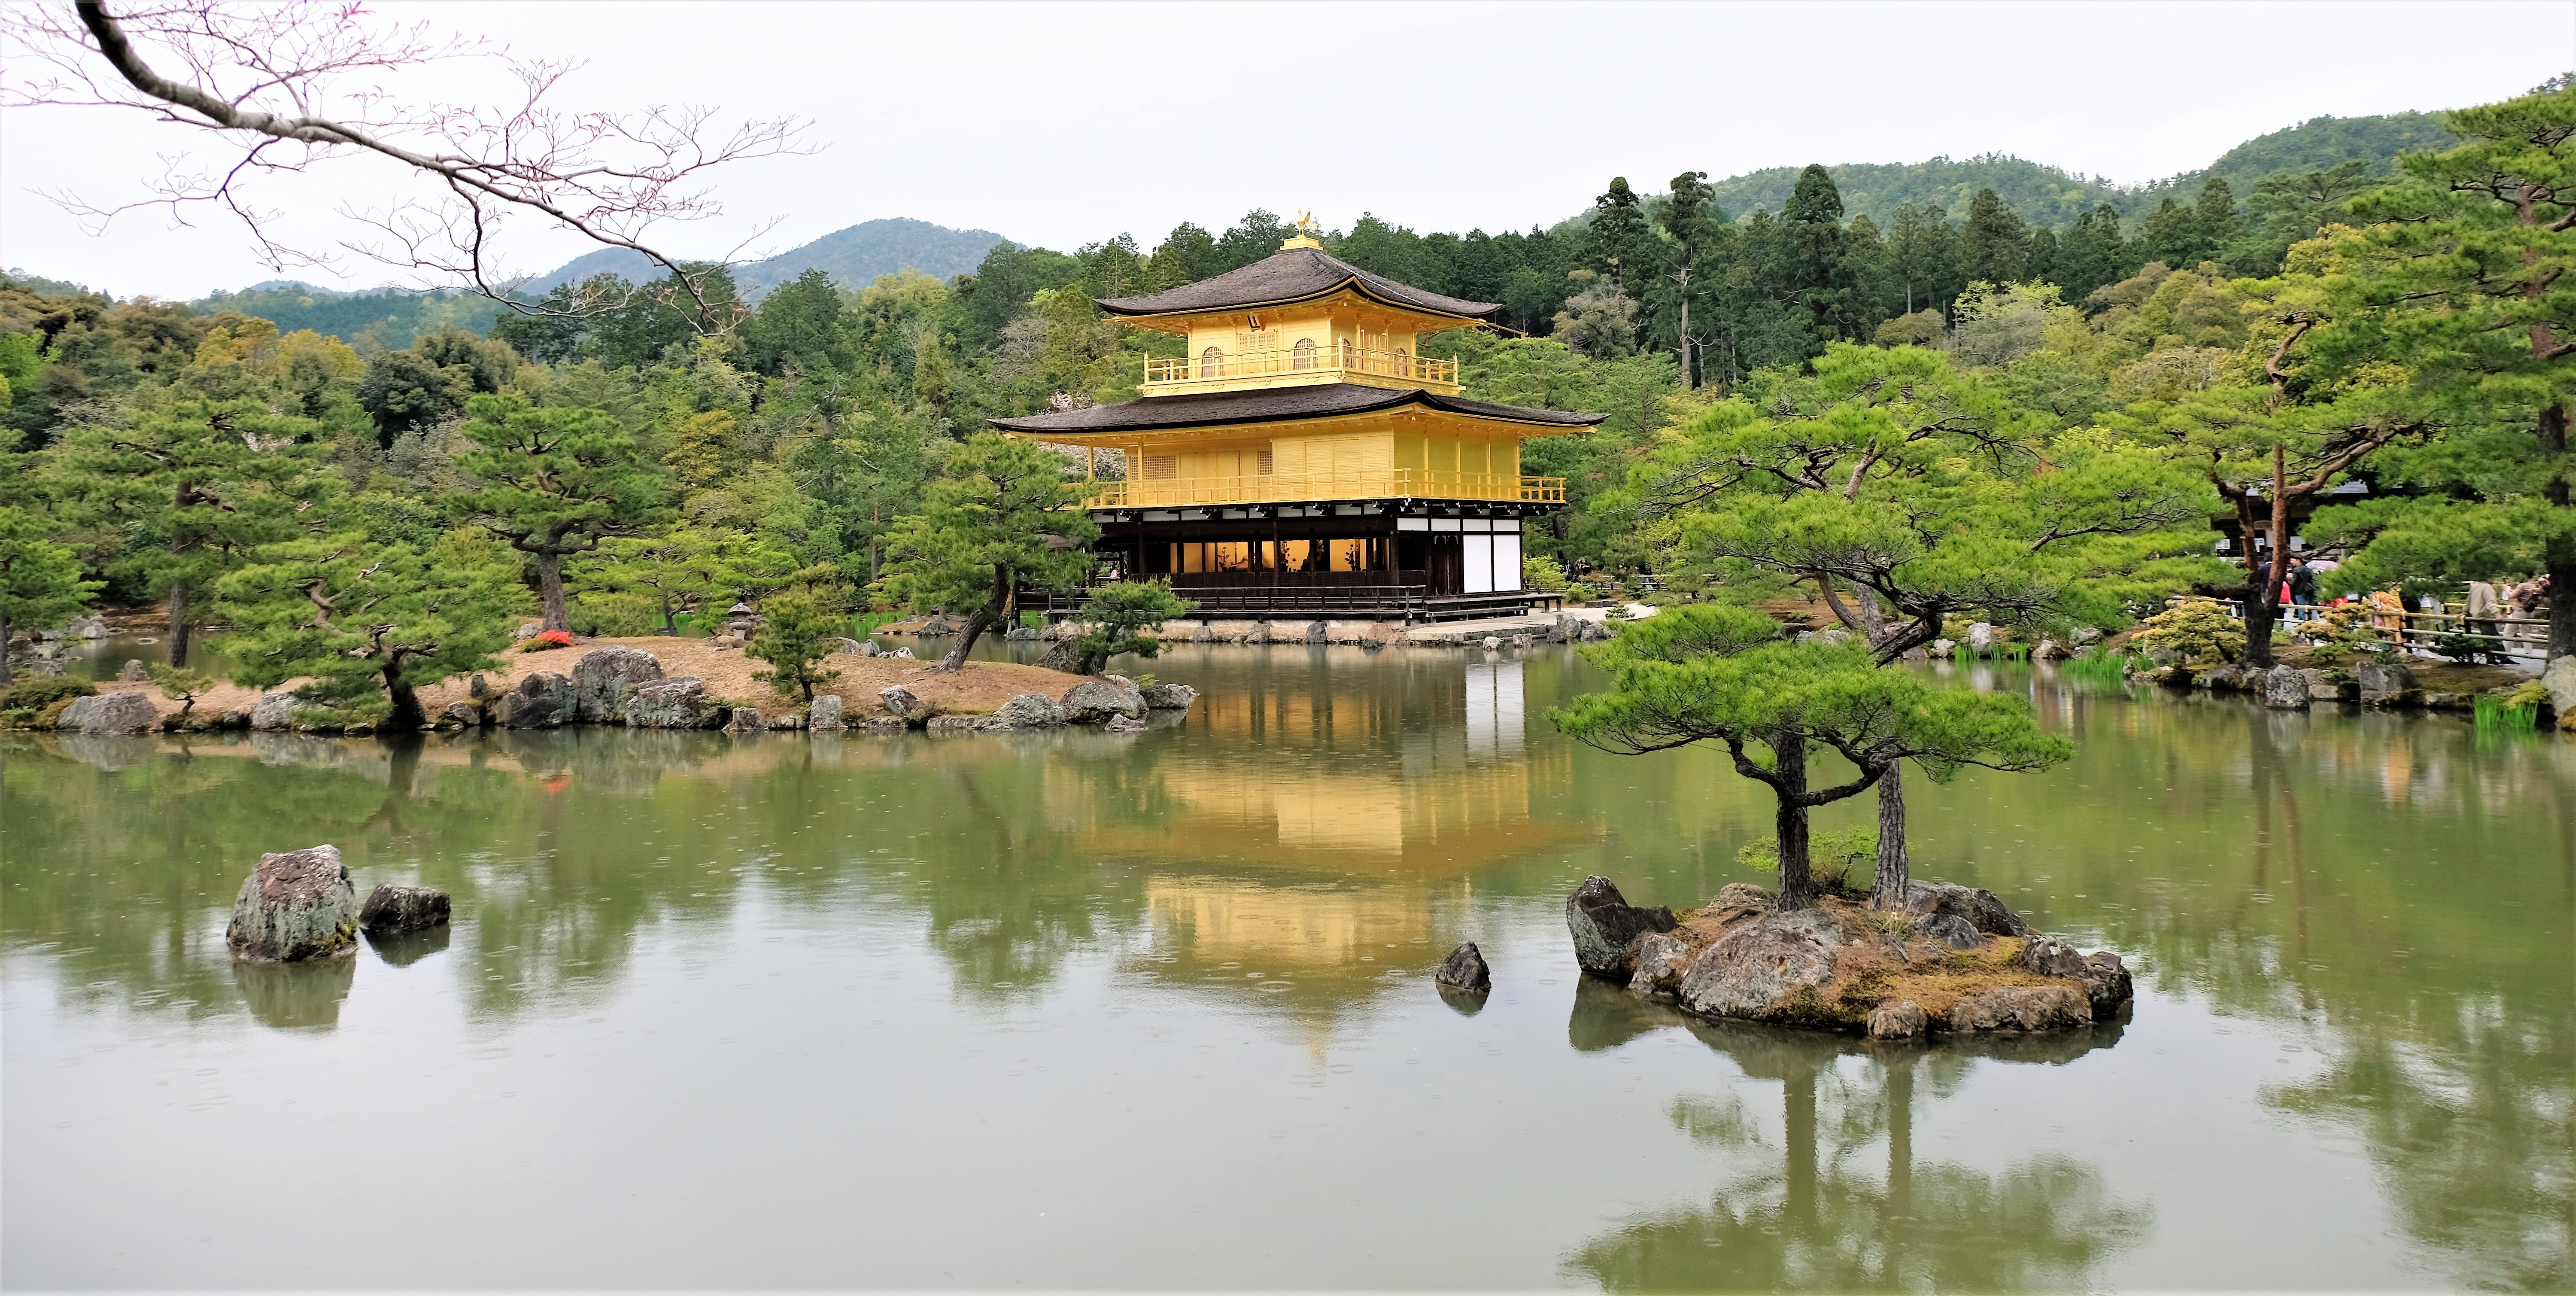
[
  {"x": 4, "y": 650},
  {"x": 981, "y": 620},
  {"x": 179, "y": 625},
  {"x": 2263, "y": 596},
  {"x": 406, "y": 717},
  {"x": 670, "y": 619},
  {"x": 2561, "y": 554},
  {"x": 1797, "y": 886},
  {"x": 1887, "y": 888},
  {"x": 550, "y": 590}
]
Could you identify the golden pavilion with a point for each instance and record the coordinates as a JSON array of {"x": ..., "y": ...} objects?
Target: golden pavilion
[{"x": 1304, "y": 458}]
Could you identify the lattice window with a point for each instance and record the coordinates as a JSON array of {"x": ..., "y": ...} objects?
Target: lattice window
[{"x": 1162, "y": 467}]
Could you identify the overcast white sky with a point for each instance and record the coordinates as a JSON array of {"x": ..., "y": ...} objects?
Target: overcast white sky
[{"x": 1060, "y": 124}]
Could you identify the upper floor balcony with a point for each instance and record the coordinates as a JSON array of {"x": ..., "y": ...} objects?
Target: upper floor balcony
[
  {"x": 1354, "y": 484},
  {"x": 1309, "y": 361}
]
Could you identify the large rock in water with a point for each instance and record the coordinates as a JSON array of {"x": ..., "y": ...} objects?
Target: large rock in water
[
  {"x": 826, "y": 713},
  {"x": 540, "y": 700},
  {"x": 1662, "y": 961},
  {"x": 2107, "y": 983},
  {"x": 1094, "y": 701},
  {"x": 1605, "y": 927},
  {"x": 2382, "y": 683},
  {"x": 274, "y": 712},
  {"x": 602, "y": 680},
  {"x": 1465, "y": 970},
  {"x": 1983, "y": 909},
  {"x": 1762, "y": 969},
  {"x": 393, "y": 910},
  {"x": 110, "y": 713},
  {"x": 295, "y": 906},
  {"x": 2285, "y": 689},
  {"x": 1169, "y": 697},
  {"x": 2029, "y": 1008},
  {"x": 676, "y": 703},
  {"x": 2560, "y": 680}
]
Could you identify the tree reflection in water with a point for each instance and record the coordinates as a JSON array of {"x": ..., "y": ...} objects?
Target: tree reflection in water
[{"x": 1813, "y": 1211}]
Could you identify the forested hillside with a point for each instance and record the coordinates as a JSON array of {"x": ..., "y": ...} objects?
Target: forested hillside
[{"x": 2035, "y": 192}]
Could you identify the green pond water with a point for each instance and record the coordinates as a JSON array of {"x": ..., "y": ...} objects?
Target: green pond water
[{"x": 1087, "y": 1011}]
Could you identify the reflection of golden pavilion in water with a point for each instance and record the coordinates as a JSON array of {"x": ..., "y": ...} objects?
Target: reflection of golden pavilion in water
[{"x": 1313, "y": 870}]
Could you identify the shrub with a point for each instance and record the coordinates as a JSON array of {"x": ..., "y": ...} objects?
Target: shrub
[
  {"x": 1540, "y": 572},
  {"x": 28, "y": 701},
  {"x": 2341, "y": 633},
  {"x": 1830, "y": 855},
  {"x": 797, "y": 635},
  {"x": 547, "y": 640},
  {"x": 2195, "y": 630}
]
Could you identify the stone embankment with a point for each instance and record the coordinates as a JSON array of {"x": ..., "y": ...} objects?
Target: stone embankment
[
  {"x": 1494, "y": 633},
  {"x": 1953, "y": 959},
  {"x": 669, "y": 683},
  {"x": 2376, "y": 684}
]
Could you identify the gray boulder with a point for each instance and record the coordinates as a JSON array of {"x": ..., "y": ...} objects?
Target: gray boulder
[
  {"x": 2106, "y": 982},
  {"x": 1897, "y": 1019},
  {"x": 1315, "y": 632},
  {"x": 1094, "y": 701},
  {"x": 2285, "y": 689},
  {"x": 1021, "y": 633},
  {"x": 1944, "y": 647},
  {"x": 1981, "y": 638},
  {"x": 601, "y": 681},
  {"x": 540, "y": 700},
  {"x": 901, "y": 703},
  {"x": 904, "y": 653},
  {"x": 826, "y": 713},
  {"x": 462, "y": 715},
  {"x": 1605, "y": 928},
  {"x": 2383, "y": 683},
  {"x": 2087, "y": 635},
  {"x": 134, "y": 672},
  {"x": 80, "y": 627},
  {"x": 1169, "y": 697},
  {"x": 1025, "y": 711},
  {"x": 2560, "y": 680},
  {"x": 956, "y": 724},
  {"x": 1950, "y": 929},
  {"x": 274, "y": 712},
  {"x": 2046, "y": 650},
  {"x": 679, "y": 702},
  {"x": 294, "y": 907},
  {"x": 745, "y": 720},
  {"x": 1119, "y": 724},
  {"x": 2023, "y": 1008},
  {"x": 1662, "y": 961},
  {"x": 1464, "y": 970},
  {"x": 393, "y": 910},
  {"x": 858, "y": 647},
  {"x": 1764, "y": 968},
  {"x": 110, "y": 713},
  {"x": 527, "y": 630},
  {"x": 1983, "y": 909}
]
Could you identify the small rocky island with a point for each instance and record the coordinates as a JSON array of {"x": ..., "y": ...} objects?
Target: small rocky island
[{"x": 1951, "y": 959}]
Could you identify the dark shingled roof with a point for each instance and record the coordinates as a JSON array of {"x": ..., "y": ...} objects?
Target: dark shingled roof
[
  {"x": 1322, "y": 400},
  {"x": 1287, "y": 276}
]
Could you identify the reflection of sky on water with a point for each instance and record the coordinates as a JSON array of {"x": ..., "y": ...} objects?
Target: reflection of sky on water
[{"x": 702, "y": 990}]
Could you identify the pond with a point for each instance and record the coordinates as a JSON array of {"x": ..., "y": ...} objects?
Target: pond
[{"x": 1081, "y": 1010}]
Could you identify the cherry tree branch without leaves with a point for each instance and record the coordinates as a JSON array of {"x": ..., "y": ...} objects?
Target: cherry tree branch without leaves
[{"x": 298, "y": 83}]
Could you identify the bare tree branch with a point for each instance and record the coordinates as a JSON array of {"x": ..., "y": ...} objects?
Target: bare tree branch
[{"x": 294, "y": 84}]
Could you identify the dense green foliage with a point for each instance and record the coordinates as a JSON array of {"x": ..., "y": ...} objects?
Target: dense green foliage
[
  {"x": 1111, "y": 617},
  {"x": 794, "y": 637}
]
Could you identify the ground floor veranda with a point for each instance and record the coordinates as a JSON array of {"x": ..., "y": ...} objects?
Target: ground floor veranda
[{"x": 1407, "y": 560}]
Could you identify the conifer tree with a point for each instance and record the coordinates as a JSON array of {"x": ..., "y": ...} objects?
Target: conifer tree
[
  {"x": 554, "y": 481},
  {"x": 1004, "y": 519},
  {"x": 371, "y": 623},
  {"x": 2468, "y": 281},
  {"x": 40, "y": 581},
  {"x": 189, "y": 491}
]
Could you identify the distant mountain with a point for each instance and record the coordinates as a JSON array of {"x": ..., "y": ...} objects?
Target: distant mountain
[
  {"x": 2048, "y": 196},
  {"x": 854, "y": 257}
]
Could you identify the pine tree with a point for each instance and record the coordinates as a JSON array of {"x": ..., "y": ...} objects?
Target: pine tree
[
  {"x": 794, "y": 637},
  {"x": 40, "y": 581},
  {"x": 554, "y": 481},
  {"x": 1993, "y": 242},
  {"x": 2467, "y": 279},
  {"x": 1004, "y": 519},
  {"x": 1623, "y": 244},
  {"x": 371, "y": 624},
  {"x": 189, "y": 490}
]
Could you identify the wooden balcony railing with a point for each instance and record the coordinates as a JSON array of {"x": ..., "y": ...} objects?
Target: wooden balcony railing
[
  {"x": 1366, "y": 483},
  {"x": 1320, "y": 359}
]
